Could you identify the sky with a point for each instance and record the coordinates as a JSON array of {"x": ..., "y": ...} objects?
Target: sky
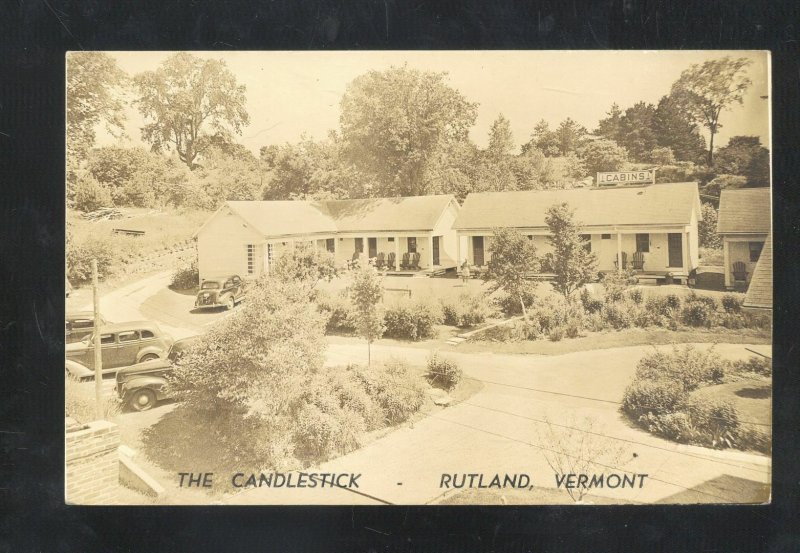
[{"x": 290, "y": 94}]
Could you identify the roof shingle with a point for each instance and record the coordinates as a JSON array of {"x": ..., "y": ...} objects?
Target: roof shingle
[
  {"x": 759, "y": 293},
  {"x": 744, "y": 210}
]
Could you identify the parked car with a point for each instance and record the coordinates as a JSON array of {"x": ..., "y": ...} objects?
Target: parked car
[
  {"x": 224, "y": 292},
  {"x": 121, "y": 344},
  {"x": 141, "y": 386},
  {"x": 79, "y": 324}
]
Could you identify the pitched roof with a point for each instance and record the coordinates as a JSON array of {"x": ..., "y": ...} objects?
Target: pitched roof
[
  {"x": 759, "y": 293},
  {"x": 285, "y": 218},
  {"x": 744, "y": 210},
  {"x": 657, "y": 204}
]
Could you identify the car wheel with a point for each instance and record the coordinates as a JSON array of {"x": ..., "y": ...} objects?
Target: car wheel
[
  {"x": 230, "y": 303},
  {"x": 148, "y": 357},
  {"x": 142, "y": 400}
]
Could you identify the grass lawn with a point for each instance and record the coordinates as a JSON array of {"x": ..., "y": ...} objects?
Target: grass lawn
[
  {"x": 534, "y": 496},
  {"x": 621, "y": 338},
  {"x": 752, "y": 398}
]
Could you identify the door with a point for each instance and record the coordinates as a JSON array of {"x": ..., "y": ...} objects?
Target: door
[
  {"x": 108, "y": 351},
  {"x": 675, "y": 249},
  {"x": 330, "y": 245},
  {"x": 372, "y": 244},
  {"x": 359, "y": 245},
  {"x": 436, "y": 250},
  {"x": 477, "y": 250},
  {"x": 128, "y": 348}
]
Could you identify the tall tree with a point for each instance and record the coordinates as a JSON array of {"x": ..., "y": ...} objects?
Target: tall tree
[
  {"x": 705, "y": 90},
  {"x": 513, "y": 258},
  {"x": 636, "y": 131},
  {"x": 366, "y": 292},
  {"x": 192, "y": 103},
  {"x": 572, "y": 263},
  {"x": 570, "y": 136},
  {"x": 745, "y": 156},
  {"x": 610, "y": 127},
  {"x": 542, "y": 139},
  {"x": 675, "y": 129},
  {"x": 603, "y": 155},
  {"x": 501, "y": 139},
  {"x": 395, "y": 121},
  {"x": 94, "y": 88}
]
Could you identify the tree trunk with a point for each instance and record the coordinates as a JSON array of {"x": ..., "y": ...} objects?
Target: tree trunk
[
  {"x": 711, "y": 149},
  {"x": 524, "y": 311}
]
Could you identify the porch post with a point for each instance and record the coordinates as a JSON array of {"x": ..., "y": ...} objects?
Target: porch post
[
  {"x": 430, "y": 250},
  {"x": 458, "y": 251},
  {"x": 685, "y": 252},
  {"x": 726, "y": 259},
  {"x": 396, "y": 253},
  {"x": 619, "y": 251},
  {"x": 266, "y": 258},
  {"x": 365, "y": 250}
]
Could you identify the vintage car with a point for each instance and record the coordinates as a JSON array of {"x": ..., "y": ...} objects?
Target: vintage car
[
  {"x": 121, "y": 344},
  {"x": 141, "y": 386},
  {"x": 79, "y": 325},
  {"x": 223, "y": 292}
]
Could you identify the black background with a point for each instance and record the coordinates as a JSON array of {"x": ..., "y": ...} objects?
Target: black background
[{"x": 34, "y": 35}]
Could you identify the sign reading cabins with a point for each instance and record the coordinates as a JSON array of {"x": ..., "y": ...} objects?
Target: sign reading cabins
[{"x": 647, "y": 176}]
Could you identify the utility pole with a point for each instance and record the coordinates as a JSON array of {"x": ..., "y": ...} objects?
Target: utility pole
[{"x": 98, "y": 358}]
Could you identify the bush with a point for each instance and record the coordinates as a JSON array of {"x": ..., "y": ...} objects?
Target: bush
[
  {"x": 674, "y": 426},
  {"x": 341, "y": 315},
  {"x": 573, "y": 328},
  {"x": 732, "y": 303},
  {"x": 697, "y": 314},
  {"x": 412, "y": 320},
  {"x": 636, "y": 296},
  {"x": 527, "y": 329},
  {"x": 716, "y": 421},
  {"x": 653, "y": 396},
  {"x": 556, "y": 334},
  {"x": 685, "y": 365},
  {"x": 590, "y": 303},
  {"x": 79, "y": 402},
  {"x": 395, "y": 387},
  {"x": 186, "y": 276},
  {"x": 90, "y": 195},
  {"x": 443, "y": 373},
  {"x": 510, "y": 306},
  {"x": 594, "y": 322},
  {"x": 616, "y": 282},
  {"x": 694, "y": 297},
  {"x": 465, "y": 311},
  {"x": 618, "y": 315},
  {"x": 322, "y": 431},
  {"x": 80, "y": 253},
  {"x": 756, "y": 364}
]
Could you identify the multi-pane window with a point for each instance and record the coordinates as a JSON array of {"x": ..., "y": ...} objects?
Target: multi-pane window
[
  {"x": 755, "y": 250},
  {"x": 251, "y": 259},
  {"x": 643, "y": 243},
  {"x": 270, "y": 253}
]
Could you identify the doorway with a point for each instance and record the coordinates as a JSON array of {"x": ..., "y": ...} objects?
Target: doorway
[
  {"x": 675, "y": 249},
  {"x": 477, "y": 250}
]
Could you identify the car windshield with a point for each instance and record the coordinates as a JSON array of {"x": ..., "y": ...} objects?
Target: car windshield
[{"x": 210, "y": 285}]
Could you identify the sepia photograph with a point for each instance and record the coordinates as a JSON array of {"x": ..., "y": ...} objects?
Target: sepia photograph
[{"x": 418, "y": 278}]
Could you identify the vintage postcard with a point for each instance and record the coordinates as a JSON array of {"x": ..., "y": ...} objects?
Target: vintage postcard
[{"x": 418, "y": 278}]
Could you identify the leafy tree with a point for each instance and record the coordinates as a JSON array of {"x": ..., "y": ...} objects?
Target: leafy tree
[
  {"x": 610, "y": 127},
  {"x": 674, "y": 129},
  {"x": 501, "y": 140},
  {"x": 193, "y": 104},
  {"x": 90, "y": 195},
  {"x": 452, "y": 170},
  {"x": 570, "y": 136},
  {"x": 543, "y": 139},
  {"x": 744, "y": 155},
  {"x": 603, "y": 155},
  {"x": 572, "y": 264},
  {"x": 395, "y": 121},
  {"x": 366, "y": 293},
  {"x": 705, "y": 90},
  {"x": 712, "y": 190},
  {"x": 94, "y": 85},
  {"x": 707, "y": 228},
  {"x": 513, "y": 257},
  {"x": 305, "y": 265},
  {"x": 661, "y": 156},
  {"x": 535, "y": 171},
  {"x": 224, "y": 175},
  {"x": 636, "y": 131}
]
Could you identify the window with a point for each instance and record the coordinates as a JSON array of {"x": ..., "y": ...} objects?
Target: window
[
  {"x": 530, "y": 237},
  {"x": 605, "y": 237},
  {"x": 412, "y": 244},
  {"x": 360, "y": 245},
  {"x": 330, "y": 245},
  {"x": 270, "y": 253},
  {"x": 107, "y": 339},
  {"x": 251, "y": 259},
  {"x": 147, "y": 334},
  {"x": 587, "y": 242},
  {"x": 129, "y": 336},
  {"x": 391, "y": 239},
  {"x": 643, "y": 243},
  {"x": 755, "y": 250}
]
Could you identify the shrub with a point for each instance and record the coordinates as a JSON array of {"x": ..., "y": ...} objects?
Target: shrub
[
  {"x": 79, "y": 402},
  {"x": 322, "y": 431},
  {"x": 753, "y": 439},
  {"x": 594, "y": 322},
  {"x": 547, "y": 316},
  {"x": 705, "y": 300},
  {"x": 685, "y": 365},
  {"x": 467, "y": 310},
  {"x": 733, "y": 321},
  {"x": 653, "y": 396},
  {"x": 618, "y": 315},
  {"x": 527, "y": 329},
  {"x": 636, "y": 296},
  {"x": 341, "y": 315},
  {"x": 756, "y": 320},
  {"x": 756, "y": 364},
  {"x": 716, "y": 421},
  {"x": 573, "y": 328},
  {"x": 412, "y": 319},
  {"x": 590, "y": 303},
  {"x": 443, "y": 373},
  {"x": 674, "y": 426},
  {"x": 673, "y": 301},
  {"x": 397, "y": 390},
  {"x": 186, "y": 276},
  {"x": 90, "y": 195},
  {"x": 556, "y": 334},
  {"x": 80, "y": 253},
  {"x": 697, "y": 314},
  {"x": 510, "y": 306},
  {"x": 616, "y": 282},
  {"x": 732, "y": 303}
]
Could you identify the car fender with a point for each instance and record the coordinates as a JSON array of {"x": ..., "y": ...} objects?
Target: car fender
[
  {"x": 77, "y": 370},
  {"x": 148, "y": 350},
  {"x": 154, "y": 383}
]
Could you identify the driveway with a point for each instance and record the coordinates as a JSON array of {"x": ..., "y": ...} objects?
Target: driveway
[{"x": 499, "y": 430}]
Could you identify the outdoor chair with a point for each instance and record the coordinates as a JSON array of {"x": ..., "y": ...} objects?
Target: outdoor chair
[
  {"x": 739, "y": 273},
  {"x": 638, "y": 261},
  {"x": 404, "y": 264},
  {"x": 415, "y": 261},
  {"x": 624, "y": 261},
  {"x": 390, "y": 261},
  {"x": 380, "y": 261}
]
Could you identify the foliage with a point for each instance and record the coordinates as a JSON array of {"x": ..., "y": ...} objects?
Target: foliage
[
  {"x": 732, "y": 303},
  {"x": 395, "y": 387},
  {"x": 745, "y": 156},
  {"x": 661, "y": 155},
  {"x": 394, "y": 121},
  {"x": 305, "y": 265},
  {"x": 675, "y": 129},
  {"x": 80, "y": 402},
  {"x": 704, "y": 90},
  {"x": 602, "y": 155},
  {"x": 186, "y": 276},
  {"x": 707, "y": 227},
  {"x": 699, "y": 311},
  {"x": 89, "y": 195},
  {"x": 442, "y": 372},
  {"x": 501, "y": 139},
  {"x": 590, "y": 303},
  {"x": 468, "y": 309},
  {"x": 94, "y": 83},
  {"x": 224, "y": 172},
  {"x": 413, "y": 319},
  {"x": 636, "y": 131},
  {"x": 684, "y": 365},
  {"x": 717, "y": 422},
  {"x": 191, "y": 103},
  {"x": 660, "y": 396},
  {"x": 543, "y": 140},
  {"x": 340, "y": 312},
  {"x": 572, "y": 264},
  {"x": 366, "y": 293},
  {"x": 513, "y": 257},
  {"x": 715, "y": 186},
  {"x": 616, "y": 283},
  {"x": 755, "y": 364},
  {"x": 81, "y": 250},
  {"x": 570, "y": 136}
]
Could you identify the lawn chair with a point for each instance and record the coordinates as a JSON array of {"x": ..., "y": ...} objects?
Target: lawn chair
[
  {"x": 739, "y": 274},
  {"x": 404, "y": 264},
  {"x": 638, "y": 261},
  {"x": 353, "y": 263},
  {"x": 624, "y": 261},
  {"x": 390, "y": 261},
  {"x": 380, "y": 261},
  {"x": 415, "y": 261}
]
